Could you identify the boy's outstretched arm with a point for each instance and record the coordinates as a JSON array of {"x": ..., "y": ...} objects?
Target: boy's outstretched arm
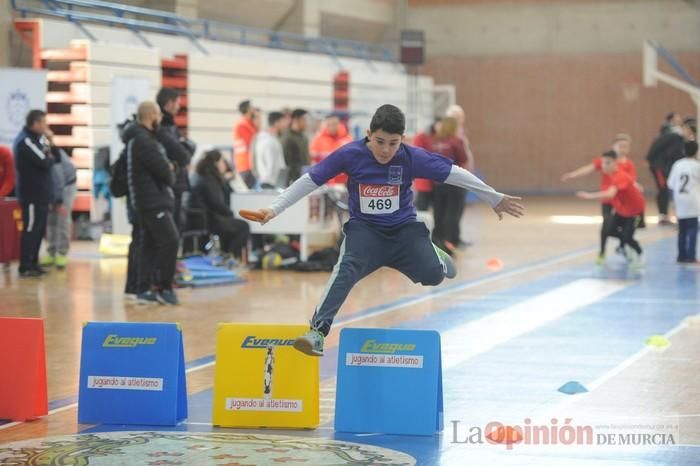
[
  {"x": 300, "y": 188},
  {"x": 499, "y": 202},
  {"x": 581, "y": 171}
]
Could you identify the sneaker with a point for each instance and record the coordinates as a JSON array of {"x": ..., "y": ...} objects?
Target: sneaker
[
  {"x": 61, "y": 261},
  {"x": 636, "y": 260},
  {"x": 310, "y": 343},
  {"x": 448, "y": 265},
  {"x": 47, "y": 261},
  {"x": 167, "y": 297},
  {"x": 600, "y": 260},
  {"x": 31, "y": 273},
  {"x": 147, "y": 297},
  {"x": 131, "y": 297}
]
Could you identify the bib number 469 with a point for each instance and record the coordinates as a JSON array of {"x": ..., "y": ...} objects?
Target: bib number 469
[{"x": 380, "y": 204}]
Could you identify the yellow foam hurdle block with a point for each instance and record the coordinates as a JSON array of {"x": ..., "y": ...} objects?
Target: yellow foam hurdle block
[
  {"x": 114, "y": 245},
  {"x": 260, "y": 380}
]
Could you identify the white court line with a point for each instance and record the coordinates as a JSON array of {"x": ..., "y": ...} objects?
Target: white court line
[
  {"x": 473, "y": 338},
  {"x": 11, "y": 424},
  {"x": 410, "y": 302}
]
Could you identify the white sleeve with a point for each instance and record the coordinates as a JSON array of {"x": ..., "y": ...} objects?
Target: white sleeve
[
  {"x": 300, "y": 188},
  {"x": 462, "y": 178},
  {"x": 263, "y": 160},
  {"x": 280, "y": 155}
]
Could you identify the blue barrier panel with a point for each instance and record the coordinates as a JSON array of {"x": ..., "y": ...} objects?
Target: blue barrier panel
[
  {"x": 132, "y": 373},
  {"x": 389, "y": 381}
]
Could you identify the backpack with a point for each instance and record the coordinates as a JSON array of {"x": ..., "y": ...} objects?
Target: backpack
[
  {"x": 119, "y": 181},
  {"x": 320, "y": 261}
]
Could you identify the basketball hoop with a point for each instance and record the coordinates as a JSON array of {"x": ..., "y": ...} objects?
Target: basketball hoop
[{"x": 630, "y": 88}]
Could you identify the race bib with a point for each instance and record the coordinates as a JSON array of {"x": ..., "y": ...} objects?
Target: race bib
[{"x": 378, "y": 199}]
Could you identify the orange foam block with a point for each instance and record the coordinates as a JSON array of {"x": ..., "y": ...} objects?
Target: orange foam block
[
  {"x": 505, "y": 434},
  {"x": 23, "y": 393}
]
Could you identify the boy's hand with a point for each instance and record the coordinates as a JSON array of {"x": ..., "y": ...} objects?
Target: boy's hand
[
  {"x": 509, "y": 205},
  {"x": 261, "y": 216},
  {"x": 269, "y": 214},
  {"x": 584, "y": 195},
  {"x": 566, "y": 177}
]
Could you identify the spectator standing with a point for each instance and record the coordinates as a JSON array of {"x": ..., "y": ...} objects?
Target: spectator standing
[
  {"x": 35, "y": 155},
  {"x": 151, "y": 177},
  {"x": 177, "y": 148},
  {"x": 457, "y": 112},
  {"x": 295, "y": 145},
  {"x": 332, "y": 135},
  {"x": 60, "y": 220},
  {"x": 666, "y": 149},
  {"x": 448, "y": 200},
  {"x": 243, "y": 133},
  {"x": 269, "y": 156}
]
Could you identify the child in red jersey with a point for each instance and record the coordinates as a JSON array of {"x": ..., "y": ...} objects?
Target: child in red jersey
[
  {"x": 621, "y": 145},
  {"x": 627, "y": 206}
]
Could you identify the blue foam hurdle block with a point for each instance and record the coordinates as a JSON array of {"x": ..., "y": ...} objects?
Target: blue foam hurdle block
[
  {"x": 389, "y": 381},
  {"x": 201, "y": 283},
  {"x": 132, "y": 373},
  {"x": 572, "y": 388}
]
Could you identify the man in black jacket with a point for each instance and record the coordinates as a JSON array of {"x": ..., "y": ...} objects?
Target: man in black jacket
[
  {"x": 295, "y": 146},
  {"x": 666, "y": 149},
  {"x": 178, "y": 148},
  {"x": 35, "y": 156},
  {"x": 151, "y": 177}
]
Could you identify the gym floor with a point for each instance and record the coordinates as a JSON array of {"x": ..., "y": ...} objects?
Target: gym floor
[{"x": 511, "y": 335}]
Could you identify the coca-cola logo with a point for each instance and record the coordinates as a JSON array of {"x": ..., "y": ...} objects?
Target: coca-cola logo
[{"x": 378, "y": 190}]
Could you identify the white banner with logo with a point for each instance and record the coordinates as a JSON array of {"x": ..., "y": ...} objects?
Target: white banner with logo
[
  {"x": 21, "y": 90},
  {"x": 127, "y": 93}
]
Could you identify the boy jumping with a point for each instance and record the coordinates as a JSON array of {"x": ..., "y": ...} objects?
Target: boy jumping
[{"x": 382, "y": 230}]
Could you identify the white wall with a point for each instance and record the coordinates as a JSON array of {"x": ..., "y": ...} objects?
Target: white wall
[
  {"x": 271, "y": 78},
  {"x": 584, "y": 27}
]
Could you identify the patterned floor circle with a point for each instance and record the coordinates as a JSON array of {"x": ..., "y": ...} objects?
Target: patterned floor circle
[{"x": 190, "y": 448}]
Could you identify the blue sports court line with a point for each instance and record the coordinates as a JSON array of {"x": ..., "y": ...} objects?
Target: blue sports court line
[{"x": 382, "y": 308}]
